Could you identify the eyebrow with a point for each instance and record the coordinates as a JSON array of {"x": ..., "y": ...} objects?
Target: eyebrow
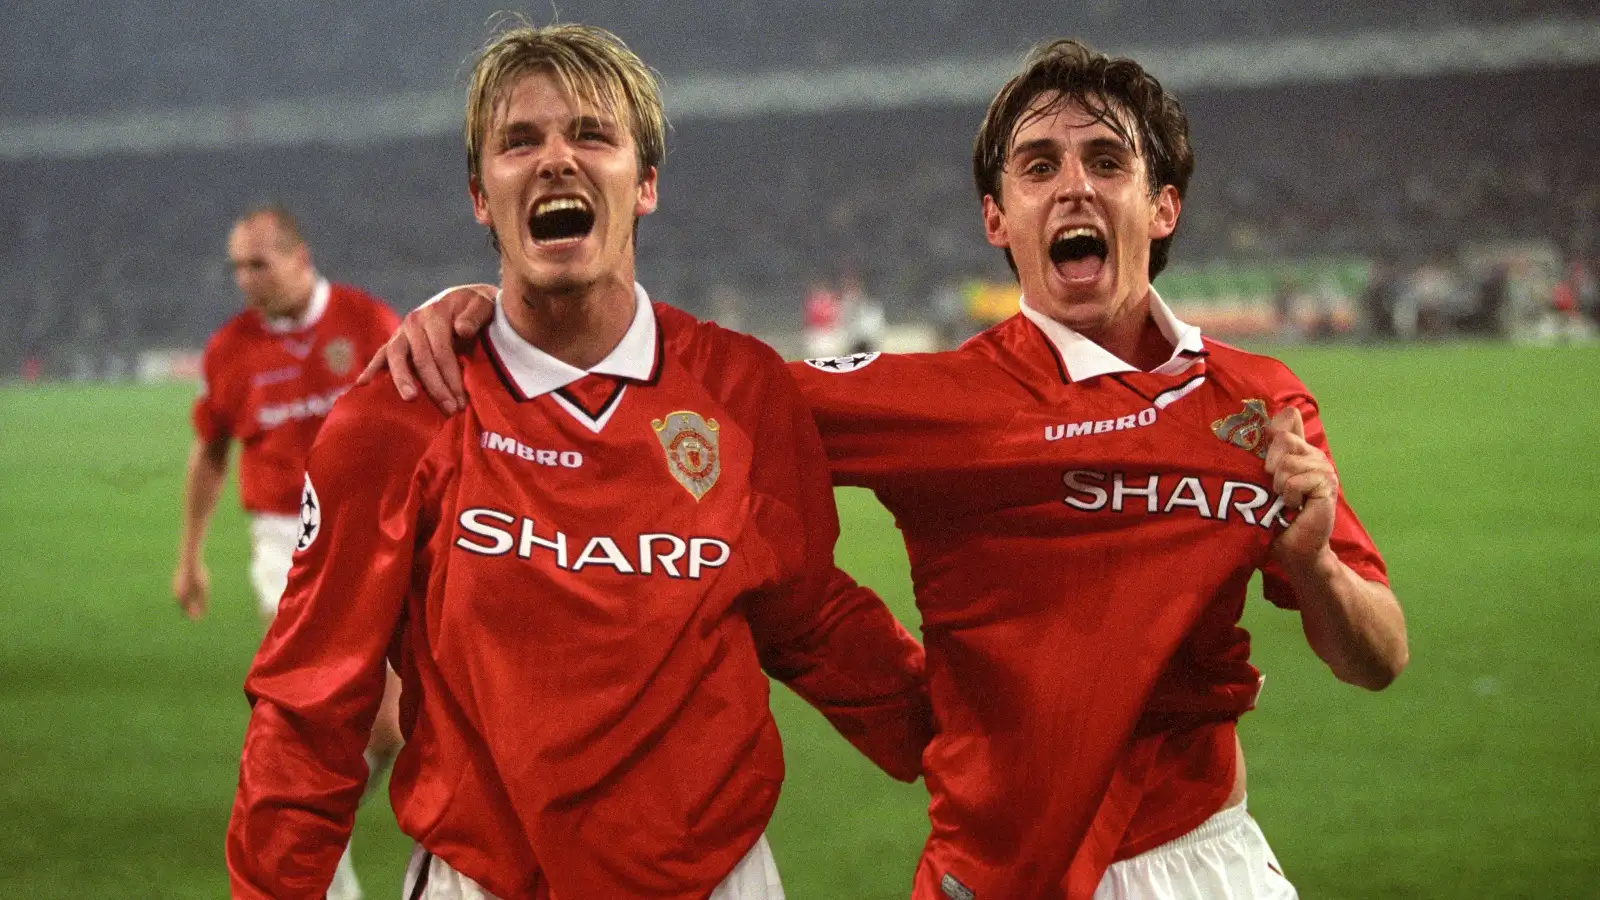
[
  {"x": 592, "y": 121},
  {"x": 1109, "y": 143},
  {"x": 1036, "y": 145}
]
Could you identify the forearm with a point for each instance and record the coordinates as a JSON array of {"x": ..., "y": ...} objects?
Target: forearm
[
  {"x": 202, "y": 484},
  {"x": 1354, "y": 625},
  {"x": 299, "y": 785},
  {"x": 864, "y": 672}
]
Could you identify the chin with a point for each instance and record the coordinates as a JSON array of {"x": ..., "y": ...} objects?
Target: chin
[{"x": 569, "y": 281}]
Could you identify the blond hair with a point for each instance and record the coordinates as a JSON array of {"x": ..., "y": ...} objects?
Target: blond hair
[{"x": 592, "y": 65}]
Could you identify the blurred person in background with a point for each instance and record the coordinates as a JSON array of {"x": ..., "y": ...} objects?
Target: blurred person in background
[
  {"x": 822, "y": 320},
  {"x": 583, "y": 574},
  {"x": 1085, "y": 491},
  {"x": 867, "y": 323},
  {"x": 271, "y": 374}
]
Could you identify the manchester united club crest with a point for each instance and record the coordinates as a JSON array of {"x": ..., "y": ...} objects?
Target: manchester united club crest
[
  {"x": 1245, "y": 429},
  {"x": 340, "y": 355},
  {"x": 690, "y": 442},
  {"x": 310, "y": 516}
]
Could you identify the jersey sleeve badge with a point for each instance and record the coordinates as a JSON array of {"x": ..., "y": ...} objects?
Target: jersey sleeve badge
[
  {"x": 1245, "y": 429},
  {"x": 690, "y": 442},
  {"x": 310, "y": 516},
  {"x": 839, "y": 365}
]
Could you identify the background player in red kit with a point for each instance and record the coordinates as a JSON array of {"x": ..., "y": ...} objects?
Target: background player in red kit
[
  {"x": 581, "y": 577},
  {"x": 1085, "y": 491},
  {"x": 271, "y": 375}
]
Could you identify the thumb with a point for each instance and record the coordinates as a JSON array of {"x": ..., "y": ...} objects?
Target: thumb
[{"x": 1288, "y": 420}]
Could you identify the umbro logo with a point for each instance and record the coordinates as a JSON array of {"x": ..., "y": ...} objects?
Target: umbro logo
[{"x": 566, "y": 459}]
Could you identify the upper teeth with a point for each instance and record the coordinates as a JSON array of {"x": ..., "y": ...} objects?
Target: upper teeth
[
  {"x": 1082, "y": 231},
  {"x": 559, "y": 204}
]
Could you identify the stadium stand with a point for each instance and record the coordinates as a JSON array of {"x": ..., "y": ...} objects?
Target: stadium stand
[{"x": 115, "y": 253}]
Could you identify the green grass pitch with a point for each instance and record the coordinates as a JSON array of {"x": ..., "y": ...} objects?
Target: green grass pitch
[{"x": 1476, "y": 775}]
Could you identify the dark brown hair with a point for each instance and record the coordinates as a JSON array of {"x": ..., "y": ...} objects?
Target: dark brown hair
[{"x": 1116, "y": 91}]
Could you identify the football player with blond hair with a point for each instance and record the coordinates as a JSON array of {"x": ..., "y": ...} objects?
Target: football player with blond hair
[{"x": 583, "y": 573}]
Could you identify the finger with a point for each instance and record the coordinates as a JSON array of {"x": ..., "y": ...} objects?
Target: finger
[
  {"x": 475, "y": 314},
  {"x": 376, "y": 364},
  {"x": 1307, "y": 486},
  {"x": 432, "y": 356},
  {"x": 1283, "y": 486},
  {"x": 1277, "y": 449},
  {"x": 397, "y": 354},
  {"x": 1294, "y": 423},
  {"x": 1292, "y": 463}
]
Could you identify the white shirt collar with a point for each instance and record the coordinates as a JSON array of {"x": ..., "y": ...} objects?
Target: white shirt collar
[
  {"x": 1086, "y": 359},
  {"x": 314, "y": 310},
  {"x": 537, "y": 372}
]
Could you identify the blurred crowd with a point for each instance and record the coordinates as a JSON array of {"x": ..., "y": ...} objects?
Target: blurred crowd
[{"x": 1471, "y": 202}]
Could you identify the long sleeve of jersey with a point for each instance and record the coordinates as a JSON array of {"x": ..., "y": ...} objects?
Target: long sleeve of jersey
[
  {"x": 212, "y": 411},
  {"x": 895, "y": 415},
  {"x": 829, "y": 639},
  {"x": 1350, "y": 541},
  {"x": 317, "y": 680}
]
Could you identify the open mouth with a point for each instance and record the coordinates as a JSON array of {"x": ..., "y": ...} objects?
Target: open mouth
[
  {"x": 1079, "y": 253},
  {"x": 561, "y": 220}
]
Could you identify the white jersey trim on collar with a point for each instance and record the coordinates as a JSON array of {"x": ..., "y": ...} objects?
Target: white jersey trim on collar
[
  {"x": 537, "y": 372},
  {"x": 1086, "y": 359},
  {"x": 320, "y": 291}
]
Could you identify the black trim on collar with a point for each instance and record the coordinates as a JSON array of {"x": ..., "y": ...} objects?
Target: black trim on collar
[
  {"x": 1151, "y": 399},
  {"x": 1156, "y": 400},
  {"x": 501, "y": 370},
  {"x": 1124, "y": 382},
  {"x": 651, "y": 380},
  {"x": 617, "y": 384}
]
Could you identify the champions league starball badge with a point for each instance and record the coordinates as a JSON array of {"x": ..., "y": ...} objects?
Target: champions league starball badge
[
  {"x": 310, "y": 516},
  {"x": 841, "y": 364}
]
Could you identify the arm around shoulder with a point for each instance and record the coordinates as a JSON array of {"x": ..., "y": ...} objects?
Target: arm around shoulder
[{"x": 829, "y": 639}]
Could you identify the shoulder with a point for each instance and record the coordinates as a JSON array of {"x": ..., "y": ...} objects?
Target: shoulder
[
  {"x": 371, "y": 429},
  {"x": 718, "y": 357},
  {"x": 356, "y": 302},
  {"x": 240, "y": 331},
  {"x": 1253, "y": 371}
]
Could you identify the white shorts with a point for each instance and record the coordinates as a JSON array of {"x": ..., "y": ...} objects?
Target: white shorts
[
  {"x": 1225, "y": 858},
  {"x": 754, "y": 878},
  {"x": 272, "y": 541}
]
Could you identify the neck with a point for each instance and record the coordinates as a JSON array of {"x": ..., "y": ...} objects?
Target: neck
[
  {"x": 1139, "y": 344},
  {"x": 580, "y": 327},
  {"x": 302, "y": 298},
  {"x": 1131, "y": 335}
]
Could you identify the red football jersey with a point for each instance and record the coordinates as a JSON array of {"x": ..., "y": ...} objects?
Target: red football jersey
[
  {"x": 270, "y": 386},
  {"x": 1073, "y": 528},
  {"x": 579, "y": 580}
]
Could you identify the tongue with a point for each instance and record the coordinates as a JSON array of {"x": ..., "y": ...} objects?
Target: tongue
[{"x": 1082, "y": 268}]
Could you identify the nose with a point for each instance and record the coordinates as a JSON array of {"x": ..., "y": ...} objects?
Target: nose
[
  {"x": 557, "y": 161},
  {"x": 1073, "y": 184}
]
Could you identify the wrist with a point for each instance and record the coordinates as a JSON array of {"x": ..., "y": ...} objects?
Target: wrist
[{"x": 1315, "y": 575}]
